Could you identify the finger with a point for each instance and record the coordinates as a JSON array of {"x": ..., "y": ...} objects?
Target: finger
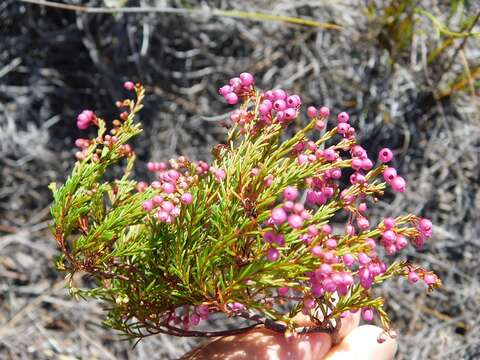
[
  {"x": 361, "y": 344},
  {"x": 349, "y": 322},
  {"x": 264, "y": 344}
]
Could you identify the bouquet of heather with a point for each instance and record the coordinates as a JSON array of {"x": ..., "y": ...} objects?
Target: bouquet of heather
[{"x": 252, "y": 235}]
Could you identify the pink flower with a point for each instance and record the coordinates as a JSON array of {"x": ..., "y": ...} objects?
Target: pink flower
[
  {"x": 157, "y": 199},
  {"x": 293, "y": 101},
  {"x": 290, "y": 193},
  {"x": 320, "y": 125},
  {"x": 129, "y": 85},
  {"x": 290, "y": 114},
  {"x": 231, "y": 98},
  {"x": 331, "y": 243},
  {"x": 265, "y": 107},
  {"x": 342, "y": 128},
  {"x": 348, "y": 260},
  {"x": 247, "y": 79},
  {"x": 343, "y": 117},
  {"x": 429, "y": 279},
  {"x": 317, "y": 251},
  {"x": 280, "y": 105},
  {"x": 169, "y": 188},
  {"x": 367, "y": 314},
  {"x": 401, "y": 242},
  {"x": 220, "y": 174},
  {"x": 398, "y": 184},
  {"x": 203, "y": 311},
  {"x": 313, "y": 230},
  {"x": 302, "y": 159},
  {"x": 278, "y": 216},
  {"x": 147, "y": 205},
  {"x": 224, "y": 90},
  {"x": 295, "y": 221},
  {"x": 268, "y": 181},
  {"x": 389, "y": 174},
  {"x": 412, "y": 277},
  {"x": 273, "y": 254},
  {"x": 389, "y": 223},
  {"x": 283, "y": 291},
  {"x": 327, "y": 229},
  {"x": 236, "y": 306},
  {"x": 279, "y": 94},
  {"x": 425, "y": 225},
  {"x": 194, "y": 319},
  {"x": 85, "y": 119},
  {"x": 385, "y": 155},
  {"x": 186, "y": 198},
  {"x": 324, "y": 112},
  {"x": 311, "y": 111},
  {"x": 389, "y": 237}
]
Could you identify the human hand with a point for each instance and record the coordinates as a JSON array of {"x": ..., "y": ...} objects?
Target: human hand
[{"x": 357, "y": 342}]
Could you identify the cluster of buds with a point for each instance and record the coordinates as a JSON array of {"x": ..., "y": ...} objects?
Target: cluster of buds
[
  {"x": 202, "y": 168},
  {"x": 85, "y": 119},
  {"x": 390, "y": 174},
  {"x": 171, "y": 187},
  {"x": 320, "y": 115},
  {"x": 237, "y": 88},
  {"x": 290, "y": 212},
  {"x": 83, "y": 144},
  {"x": 191, "y": 316},
  {"x": 278, "y": 106}
]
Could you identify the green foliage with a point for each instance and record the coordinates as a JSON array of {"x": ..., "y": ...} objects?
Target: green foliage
[
  {"x": 213, "y": 253},
  {"x": 398, "y": 21}
]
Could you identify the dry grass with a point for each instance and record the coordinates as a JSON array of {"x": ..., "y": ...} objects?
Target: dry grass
[{"x": 54, "y": 63}]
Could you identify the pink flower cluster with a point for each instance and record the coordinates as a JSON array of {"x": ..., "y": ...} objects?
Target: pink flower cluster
[
  {"x": 337, "y": 273},
  {"x": 238, "y": 87},
  {"x": 241, "y": 117},
  {"x": 172, "y": 186},
  {"x": 321, "y": 114},
  {"x": 390, "y": 174},
  {"x": 83, "y": 144},
  {"x": 425, "y": 229},
  {"x": 322, "y": 187},
  {"x": 191, "y": 317},
  {"x": 326, "y": 279},
  {"x": 85, "y": 119},
  {"x": 290, "y": 212},
  {"x": 391, "y": 241},
  {"x": 202, "y": 168},
  {"x": 106, "y": 140},
  {"x": 278, "y": 106}
]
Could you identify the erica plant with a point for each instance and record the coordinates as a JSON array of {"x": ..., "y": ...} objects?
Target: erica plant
[{"x": 254, "y": 234}]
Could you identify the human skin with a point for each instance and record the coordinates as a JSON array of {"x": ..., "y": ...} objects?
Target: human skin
[{"x": 356, "y": 342}]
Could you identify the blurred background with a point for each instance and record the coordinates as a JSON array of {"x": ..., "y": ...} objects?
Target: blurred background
[{"x": 408, "y": 72}]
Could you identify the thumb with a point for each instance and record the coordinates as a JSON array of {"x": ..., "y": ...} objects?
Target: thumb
[{"x": 362, "y": 344}]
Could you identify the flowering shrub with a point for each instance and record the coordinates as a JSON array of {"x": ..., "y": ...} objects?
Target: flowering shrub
[{"x": 251, "y": 235}]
